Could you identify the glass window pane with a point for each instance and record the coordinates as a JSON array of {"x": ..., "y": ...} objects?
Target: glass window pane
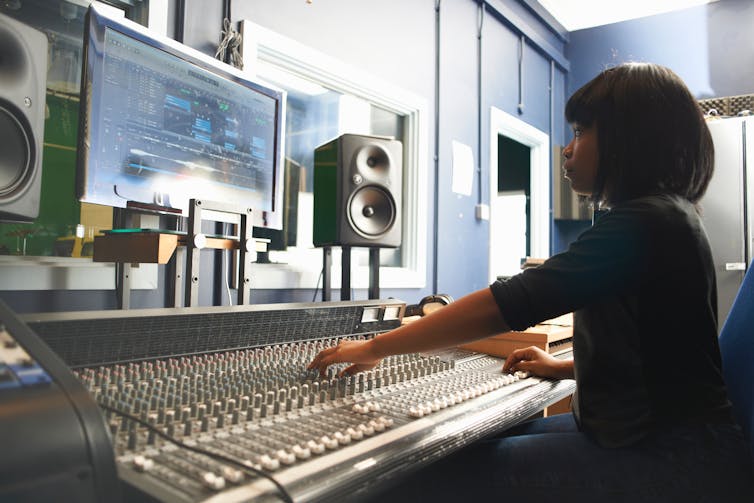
[{"x": 316, "y": 115}]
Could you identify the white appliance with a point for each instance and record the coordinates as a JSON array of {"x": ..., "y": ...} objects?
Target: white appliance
[{"x": 728, "y": 206}]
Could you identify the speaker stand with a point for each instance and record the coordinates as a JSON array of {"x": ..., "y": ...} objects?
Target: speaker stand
[
  {"x": 374, "y": 273},
  {"x": 345, "y": 273}
]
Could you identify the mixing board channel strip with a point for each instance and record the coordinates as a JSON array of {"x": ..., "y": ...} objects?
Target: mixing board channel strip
[
  {"x": 351, "y": 474},
  {"x": 201, "y": 376},
  {"x": 88, "y": 338},
  {"x": 294, "y": 420}
]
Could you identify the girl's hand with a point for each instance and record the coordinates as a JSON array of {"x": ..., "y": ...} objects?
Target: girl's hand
[
  {"x": 538, "y": 362},
  {"x": 359, "y": 353}
]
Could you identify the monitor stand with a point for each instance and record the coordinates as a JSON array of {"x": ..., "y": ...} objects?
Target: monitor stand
[{"x": 186, "y": 247}]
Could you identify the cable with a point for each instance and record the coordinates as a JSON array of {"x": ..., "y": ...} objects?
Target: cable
[
  {"x": 226, "y": 232},
  {"x": 285, "y": 496},
  {"x": 229, "y": 50},
  {"x": 316, "y": 288}
]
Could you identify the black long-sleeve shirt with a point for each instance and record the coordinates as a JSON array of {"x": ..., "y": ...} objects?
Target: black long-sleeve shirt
[{"x": 641, "y": 284}]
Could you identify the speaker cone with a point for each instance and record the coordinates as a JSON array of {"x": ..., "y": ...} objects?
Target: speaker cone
[
  {"x": 16, "y": 156},
  {"x": 371, "y": 211}
]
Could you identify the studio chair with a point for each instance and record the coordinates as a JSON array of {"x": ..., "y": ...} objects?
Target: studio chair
[{"x": 737, "y": 347}]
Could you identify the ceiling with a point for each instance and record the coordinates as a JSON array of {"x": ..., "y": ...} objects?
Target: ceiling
[{"x": 580, "y": 14}]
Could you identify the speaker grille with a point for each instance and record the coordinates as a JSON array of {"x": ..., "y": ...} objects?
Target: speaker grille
[{"x": 17, "y": 154}]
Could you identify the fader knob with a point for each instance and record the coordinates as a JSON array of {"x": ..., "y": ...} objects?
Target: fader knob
[
  {"x": 328, "y": 442},
  {"x": 232, "y": 474},
  {"x": 268, "y": 463},
  {"x": 212, "y": 481},
  {"x": 315, "y": 447},
  {"x": 285, "y": 457},
  {"x": 342, "y": 438},
  {"x": 142, "y": 464},
  {"x": 301, "y": 452}
]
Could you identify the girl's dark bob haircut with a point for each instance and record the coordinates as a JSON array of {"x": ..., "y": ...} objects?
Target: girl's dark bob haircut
[{"x": 651, "y": 134}]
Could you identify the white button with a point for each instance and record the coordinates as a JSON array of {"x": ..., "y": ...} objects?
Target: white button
[
  {"x": 328, "y": 442},
  {"x": 301, "y": 452},
  {"x": 233, "y": 475},
  {"x": 343, "y": 439},
  {"x": 316, "y": 447},
  {"x": 142, "y": 464},
  {"x": 285, "y": 457},
  {"x": 212, "y": 481},
  {"x": 377, "y": 425},
  {"x": 268, "y": 463}
]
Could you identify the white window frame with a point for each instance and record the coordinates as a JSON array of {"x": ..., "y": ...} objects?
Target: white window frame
[{"x": 262, "y": 44}]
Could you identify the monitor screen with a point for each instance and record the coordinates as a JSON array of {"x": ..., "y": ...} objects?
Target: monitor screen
[{"x": 162, "y": 123}]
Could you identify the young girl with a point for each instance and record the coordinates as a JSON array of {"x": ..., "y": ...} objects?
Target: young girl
[{"x": 651, "y": 420}]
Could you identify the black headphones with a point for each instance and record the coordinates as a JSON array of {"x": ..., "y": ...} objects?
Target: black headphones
[{"x": 427, "y": 304}]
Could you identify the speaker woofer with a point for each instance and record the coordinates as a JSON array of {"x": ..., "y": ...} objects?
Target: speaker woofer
[
  {"x": 371, "y": 211},
  {"x": 17, "y": 154}
]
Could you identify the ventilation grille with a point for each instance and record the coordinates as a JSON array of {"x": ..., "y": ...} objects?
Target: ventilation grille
[{"x": 729, "y": 105}]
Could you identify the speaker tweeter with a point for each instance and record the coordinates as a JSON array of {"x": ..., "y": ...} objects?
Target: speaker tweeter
[{"x": 23, "y": 72}]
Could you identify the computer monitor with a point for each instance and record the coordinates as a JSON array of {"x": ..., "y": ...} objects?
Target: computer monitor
[
  {"x": 281, "y": 239},
  {"x": 162, "y": 123}
]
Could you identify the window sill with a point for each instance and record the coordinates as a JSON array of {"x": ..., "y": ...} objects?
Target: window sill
[{"x": 67, "y": 273}]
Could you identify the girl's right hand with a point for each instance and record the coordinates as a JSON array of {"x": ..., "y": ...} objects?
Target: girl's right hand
[{"x": 359, "y": 353}]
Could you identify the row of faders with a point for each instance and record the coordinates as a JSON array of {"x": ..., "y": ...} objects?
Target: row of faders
[{"x": 262, "y": 408}]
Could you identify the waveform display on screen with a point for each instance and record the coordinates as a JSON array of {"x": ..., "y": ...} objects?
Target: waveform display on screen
[{"x": 160, "y": 127}]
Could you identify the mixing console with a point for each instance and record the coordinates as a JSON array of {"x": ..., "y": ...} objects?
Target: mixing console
[{"x": 237, "y": 417}]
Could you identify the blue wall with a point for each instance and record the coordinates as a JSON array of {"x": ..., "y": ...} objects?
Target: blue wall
[
  {"x": 463, "y": 254},
  {"x": 711, "y": 47}
]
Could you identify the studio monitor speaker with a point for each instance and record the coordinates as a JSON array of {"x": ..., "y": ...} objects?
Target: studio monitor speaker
[
  {"x": 357, "y": 192},
  {"x": 23, "y": 75}
]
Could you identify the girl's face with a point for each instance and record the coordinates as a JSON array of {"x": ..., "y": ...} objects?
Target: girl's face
[{"x": 581, "y": 159}]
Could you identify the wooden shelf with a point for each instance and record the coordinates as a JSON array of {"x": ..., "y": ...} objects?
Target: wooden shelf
[
  {"x": 153, "y": 247},
  {"x": 141, "y": 247}
]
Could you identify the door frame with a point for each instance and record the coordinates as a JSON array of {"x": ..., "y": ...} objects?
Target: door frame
[{"x": 502, "y": 123}]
